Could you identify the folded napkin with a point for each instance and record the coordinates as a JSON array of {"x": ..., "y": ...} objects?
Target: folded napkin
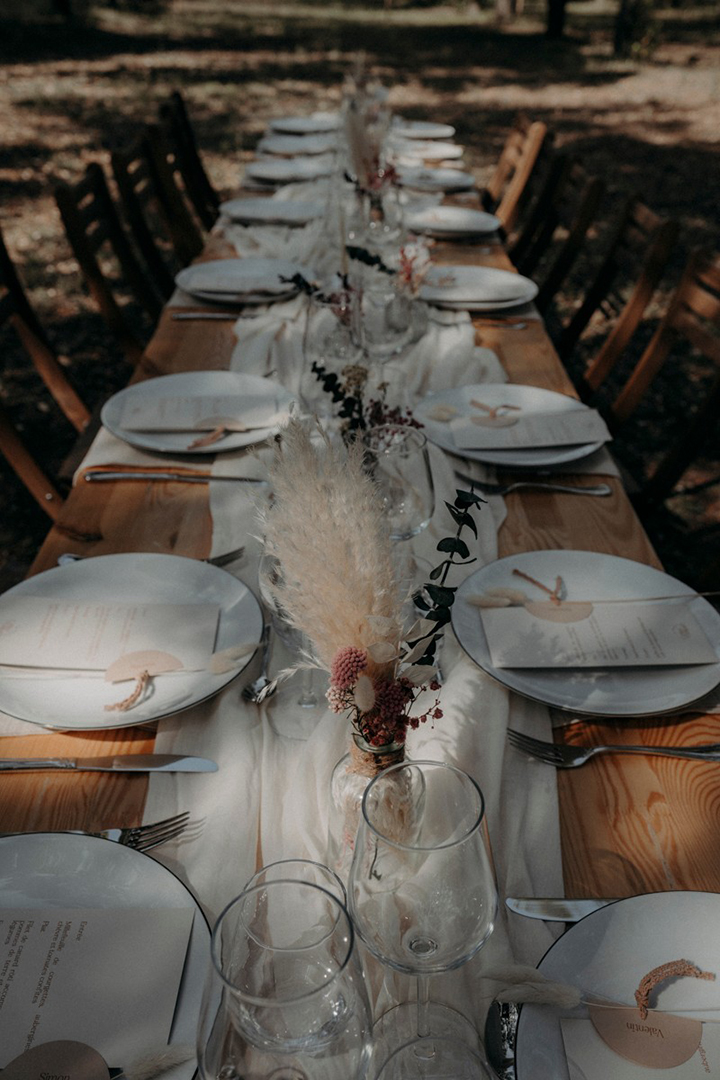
[
  {"x": 273, "y": 241},
  {"x": 271, "y": 340}
]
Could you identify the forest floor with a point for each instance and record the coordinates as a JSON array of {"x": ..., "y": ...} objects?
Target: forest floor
[{"x": 69, "y": 94}]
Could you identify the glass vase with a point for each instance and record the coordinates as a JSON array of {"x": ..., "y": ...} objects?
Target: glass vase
[{"x": 350, "y": 778}]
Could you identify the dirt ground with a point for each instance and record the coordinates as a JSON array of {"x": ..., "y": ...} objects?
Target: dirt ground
[{"x": 70, "y": 93}]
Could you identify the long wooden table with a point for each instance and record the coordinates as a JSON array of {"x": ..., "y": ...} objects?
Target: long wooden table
[{"x": 628, "y": 824}]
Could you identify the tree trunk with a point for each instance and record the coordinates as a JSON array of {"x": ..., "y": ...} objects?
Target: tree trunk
[{"x": 555, "y": 19}]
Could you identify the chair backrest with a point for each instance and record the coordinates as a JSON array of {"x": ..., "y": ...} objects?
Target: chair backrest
[
  {"x": 180, "y": 138},
  {"x": 94, "y": 228},
  {"x": 557, "y": 226},
  {"x": 133, "y": 170},
  {"x": 182, "y": 225},
  {"x": 510, "y": 187},
  {"x": 692, "y": 318},
  {"x": 638, "y": 254},
  {"x": 16, "y": 311}
]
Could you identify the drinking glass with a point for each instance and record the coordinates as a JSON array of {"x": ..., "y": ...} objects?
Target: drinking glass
[
  {"x": 330, "y": 340},
  {"x": 285, "y": 997},
  {"x": 269, "y": 572},
  {"x": 422, "y": 897},
  {"x": 301, "y": 870},
  {"x": 386, "y": 317},
  {"x": 397, "y": 458}
]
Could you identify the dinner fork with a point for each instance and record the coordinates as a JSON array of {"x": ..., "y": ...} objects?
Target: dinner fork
[
  {"x": 504, "y": 489},
  {"x": 569, "y": 757},
  {"x": 146, "y": 837}
]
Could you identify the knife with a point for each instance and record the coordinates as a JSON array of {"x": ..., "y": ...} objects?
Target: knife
[
  {"x": 119, "y": 763},
  {"x": 555, "y": 909},
  {"x": 188, "y": 478}
]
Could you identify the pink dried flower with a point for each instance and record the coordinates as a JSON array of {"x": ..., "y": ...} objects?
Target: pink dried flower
[
  {"x": 347, "y": 665},
  {"x": 337, "y": 699}
]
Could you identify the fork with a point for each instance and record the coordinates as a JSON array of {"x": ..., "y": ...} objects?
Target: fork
[
  {"x": 146, "y": 837},
  {"x": 540, "y": 485},
  {"x": 569, "y": 757}
]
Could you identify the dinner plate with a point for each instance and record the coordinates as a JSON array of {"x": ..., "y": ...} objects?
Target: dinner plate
[
  {"x": 450, "y": 221},
  {"x": 428, "y": 150},
  {"x": 589, "y": 575},
  {"x": 476, "y": 288},
  {"x": 314, "y": 124},
  {"x": 77, "y": 703},
  {"x": 285, "y": 170},
  {"x": 294, "y": 145},
  {"x": 435, "y": 179},
  {"x": 264, "y": 211},
  {"x": 422, "y": 129},
  {"x": 253, "y": 388},
  {"x": 608, "y": 952},
  {"x": 63, "y": 870},
  {"x": 252, "y": 280},
  {"x": 531, "y": 399}
]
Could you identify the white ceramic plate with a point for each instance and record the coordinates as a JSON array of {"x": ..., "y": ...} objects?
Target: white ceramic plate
[
  {"x": 316, "y": 123},
  {"x": 588, "y": 575},
  {"x": 294, "y": 145},
  {"x": 422, "y": 129},
  {"x": 450, "y": 221},
  {"x": 264, "y": 211},
  {"x": 435, "y": 179},
  {"x": 428, "y": 151},
  {"x": 285, "y": 170},
  {"x": 252, "y": 280},
  {"x": 61, "y": 870},
  {"x": 77, "y": 704},
  {"x": 531, "y": 399},
  {"x": 191, "y": 384},
  {"x": 476, "y": 288},
  {"x": 608, "y": 952}
]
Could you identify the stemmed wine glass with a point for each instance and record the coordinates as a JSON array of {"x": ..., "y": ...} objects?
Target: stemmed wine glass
[
  {"x": 397, "y": 458},
  {"x": 285, "y": 997},
  {"x": 422, "y": 897}
]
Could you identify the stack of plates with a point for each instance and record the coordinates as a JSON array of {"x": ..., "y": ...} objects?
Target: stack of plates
[
  {"x": 476, "y": 288},
  {"x": 264, "y": 211},
  {"x": 451, "y": 222},
  {"x": 294, "y": 145},
  {"x": 288, "y": 170},
  {"x": 315, "y": 124},
  {"x": 422, "y": 129},
  {"x": 435, "y": 179},
  {"x": 241, "y": 281}
]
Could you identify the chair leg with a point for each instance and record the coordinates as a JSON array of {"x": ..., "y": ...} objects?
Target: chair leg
[{"x": 32, "y": 476}]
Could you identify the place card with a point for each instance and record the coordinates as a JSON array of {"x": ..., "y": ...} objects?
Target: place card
[
  {"x": 517, "y": 430},
  {"x": 635, "y": 634},
  {"x": 590, "y": 1058},
  {"x": 90, "y": 635},
  {"x": 238, "y": 412},
  {"x": 105, "y": 977}
]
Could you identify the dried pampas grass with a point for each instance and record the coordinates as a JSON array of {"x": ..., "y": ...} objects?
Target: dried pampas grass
[{"x": 328, "y": 529}]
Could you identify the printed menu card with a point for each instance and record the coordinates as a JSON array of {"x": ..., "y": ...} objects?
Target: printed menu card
[
  {"x": 105, "y": 977},
  {"x": 517, "y": 430},
  {"x": 632, "y": 634},
  {"x": 90, "y": 635},
  {"x": 198, "y": 412}
]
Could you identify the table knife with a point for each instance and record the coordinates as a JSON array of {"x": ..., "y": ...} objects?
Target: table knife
[
  {"x": 554, "y": 909},
  {"x": 188, "y": 478},
  {"x": 119, "y": 763}
]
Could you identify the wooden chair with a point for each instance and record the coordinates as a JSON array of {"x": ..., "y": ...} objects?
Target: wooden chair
[
  {"x": 510, "y": 186},
  {"x": 159, "y": 219},
  {"x": 692, "y": 322},
  {"x": 17, "y": 313},
  {"x": 553, "y": 235},
  {"x": 638, "y": 252},
  {"x": 181, "y": 141},
  {"x": 95, "y": 231}
]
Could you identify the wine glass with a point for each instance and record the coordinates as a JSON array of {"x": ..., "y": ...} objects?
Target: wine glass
[
  {"x": 285, "y": 997},
  {"x": 397, "y": 458},
  {"x": 423, "y": 900},
  {"x": 301, "y": 870},
  {"x": 386, "y": 314},
  {"x": 297, "y": 643},
  {"x": 330, "y": 342}
]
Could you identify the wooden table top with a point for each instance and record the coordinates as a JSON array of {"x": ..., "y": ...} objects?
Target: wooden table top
[{"x": 628, "y": 824}]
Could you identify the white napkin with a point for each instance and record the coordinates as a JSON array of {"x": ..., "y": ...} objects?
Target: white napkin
[
  {"x": 272, "y": 340},
  {"x": 273, "y": 241}
]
